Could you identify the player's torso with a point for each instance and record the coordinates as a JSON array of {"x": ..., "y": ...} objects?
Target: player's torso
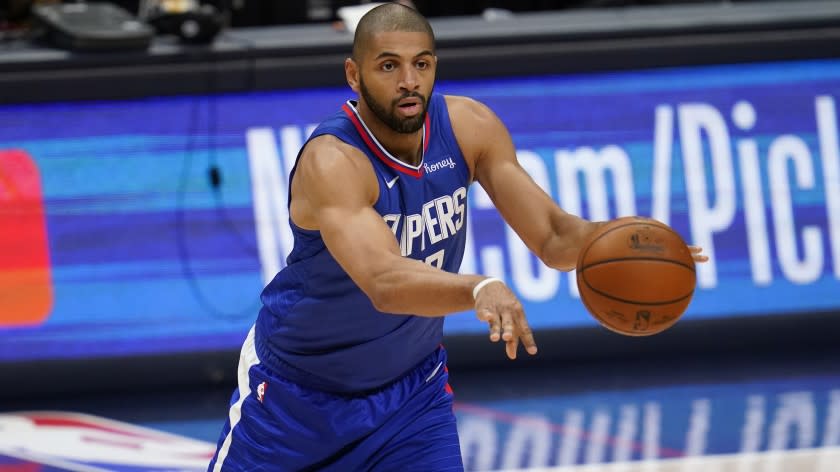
[
  {"x": 425, "y": 206},
  {"x": 316, "y": 319}
]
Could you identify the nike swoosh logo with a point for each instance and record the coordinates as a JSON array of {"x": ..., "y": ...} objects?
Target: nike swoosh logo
[
  {"x": 434, "y": 372},
  {"x": 391, "y": 183}
]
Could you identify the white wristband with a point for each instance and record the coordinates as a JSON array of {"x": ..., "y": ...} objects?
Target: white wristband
[{"x": 483, "y": 283}]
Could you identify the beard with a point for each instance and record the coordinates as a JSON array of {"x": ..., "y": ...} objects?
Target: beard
[{"x": 390, "y": 118}]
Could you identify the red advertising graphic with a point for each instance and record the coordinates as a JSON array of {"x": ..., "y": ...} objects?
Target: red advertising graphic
[
  {"x": 68, "y": 441},
  {"x": 25, "y": 291}
]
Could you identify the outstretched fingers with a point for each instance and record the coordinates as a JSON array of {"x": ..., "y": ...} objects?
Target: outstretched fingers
[
  {"x": 519, "y": 332},
  {"x": 498, "y": 307},
  {"x": 529, "y": 343},
  {"x": 697, "y": 254},
  {"x": 493, "y": 321},
  {"x": 527, "y": 336},
  {"x": 511, "y": 347},
  {"x": 507, "y": 325}
]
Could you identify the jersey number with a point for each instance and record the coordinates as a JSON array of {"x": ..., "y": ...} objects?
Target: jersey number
[{"x": 436, "y": 259}]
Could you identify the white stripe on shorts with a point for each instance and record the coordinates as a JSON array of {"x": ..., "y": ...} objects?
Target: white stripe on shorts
[
  {"x": 247, "y": 359},
  {"x": 431, "y": 376}
]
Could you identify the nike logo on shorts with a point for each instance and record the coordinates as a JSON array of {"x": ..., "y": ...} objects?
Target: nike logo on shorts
[{"x": 432, "y": 375}]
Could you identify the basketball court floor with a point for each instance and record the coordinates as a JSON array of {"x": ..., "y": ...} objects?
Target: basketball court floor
[{"x": 767, "y": 412}]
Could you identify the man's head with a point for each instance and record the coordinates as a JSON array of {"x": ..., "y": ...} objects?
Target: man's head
[{"x": 393, "y": 65}]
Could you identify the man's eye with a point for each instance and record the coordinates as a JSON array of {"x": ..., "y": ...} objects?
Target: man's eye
[
  {"x": 422, "y": 65},
  {"x": 388, "y": 66}
]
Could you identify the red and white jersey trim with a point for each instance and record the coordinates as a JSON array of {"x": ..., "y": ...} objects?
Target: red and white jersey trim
[{"x": 378, "y": 150}]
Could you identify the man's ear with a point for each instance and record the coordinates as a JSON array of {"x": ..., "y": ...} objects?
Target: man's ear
[{"x": 351, "y": 73}]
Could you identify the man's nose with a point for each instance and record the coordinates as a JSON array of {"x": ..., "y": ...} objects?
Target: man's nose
[{"x": 409, "y": 79}]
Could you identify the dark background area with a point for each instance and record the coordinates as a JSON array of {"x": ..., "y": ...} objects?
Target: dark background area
[{"x": 311, "y": 55}]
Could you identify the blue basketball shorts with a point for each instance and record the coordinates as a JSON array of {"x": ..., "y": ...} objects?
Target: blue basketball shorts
[{"x": 276, "y": 425}]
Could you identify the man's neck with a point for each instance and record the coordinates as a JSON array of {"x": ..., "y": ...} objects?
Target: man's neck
[{"x": 406, "y": 147}]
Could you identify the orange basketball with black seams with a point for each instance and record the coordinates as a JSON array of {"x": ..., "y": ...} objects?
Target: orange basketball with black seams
[{"x": 636, "y": 276}]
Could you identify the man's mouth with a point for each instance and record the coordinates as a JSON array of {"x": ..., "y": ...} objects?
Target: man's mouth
[{"x": 410, "y": 106}]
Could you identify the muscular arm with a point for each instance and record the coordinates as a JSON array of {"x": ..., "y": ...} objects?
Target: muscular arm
[
  {"x": 333, "y": 191},
  {"x": 549, "y": 232}
]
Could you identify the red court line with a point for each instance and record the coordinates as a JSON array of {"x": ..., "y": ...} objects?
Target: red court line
[{"x": 93, "y": 426}]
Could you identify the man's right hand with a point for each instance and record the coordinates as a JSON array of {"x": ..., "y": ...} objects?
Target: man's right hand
[{"x": 497, "y": 305}]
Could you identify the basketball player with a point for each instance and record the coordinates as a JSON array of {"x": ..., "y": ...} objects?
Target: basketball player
[{"x": 344, "y": 369}]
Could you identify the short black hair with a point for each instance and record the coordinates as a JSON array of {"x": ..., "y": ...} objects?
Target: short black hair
[{"x": 387, "y": 18}]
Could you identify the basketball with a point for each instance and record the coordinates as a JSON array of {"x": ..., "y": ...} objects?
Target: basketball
[{"x": 636, "y": 276}]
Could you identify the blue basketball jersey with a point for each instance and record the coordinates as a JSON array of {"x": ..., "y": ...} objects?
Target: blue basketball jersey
[{"x": 316, "y": 327}]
